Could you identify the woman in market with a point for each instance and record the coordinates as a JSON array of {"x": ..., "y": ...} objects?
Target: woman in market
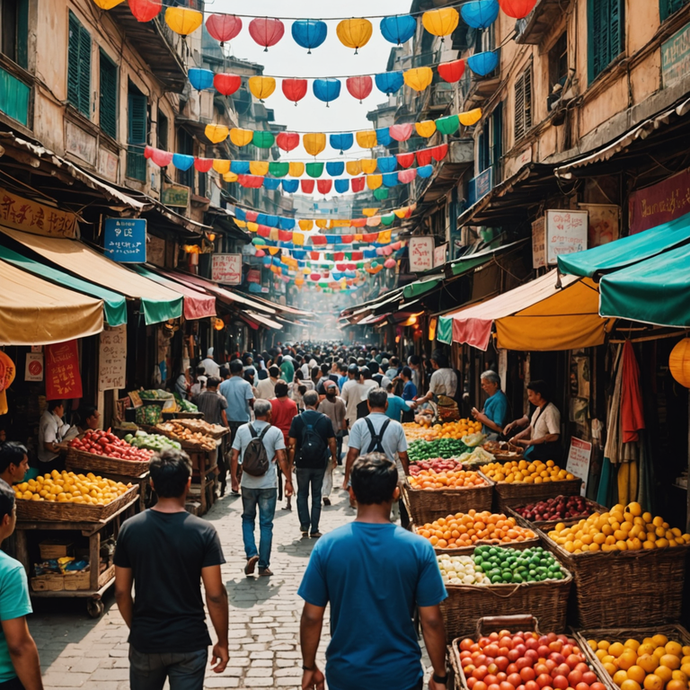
[
  {"x": 541, "y": 439},
  {"x": 493, "y": 416}
]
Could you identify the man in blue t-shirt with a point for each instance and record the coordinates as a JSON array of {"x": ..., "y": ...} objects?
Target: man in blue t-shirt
[
  {"x": 494, "y": 415},
  {"x": 374, "y": 574},
  {"x": 20, "y": 668}
]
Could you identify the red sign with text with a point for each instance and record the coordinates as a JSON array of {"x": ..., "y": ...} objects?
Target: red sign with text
[
  {"x": 63, "y": 380},
  {"x": 660, "y": 203}
]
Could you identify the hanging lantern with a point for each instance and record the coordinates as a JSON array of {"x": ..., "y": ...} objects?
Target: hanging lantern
[
  {"x": 182, "y": 161},
  {"x": 145, "y": 10},
  {"x": 287, "y": 141},
  {"x": 369, "y": 165},
  {"x": 387, "y": 164},
  {"x": 366, "y": 139},
  {"x": 294, "y": 89},
  {"x": 425, "y": 129},
  {"x": 107, "y": 4},
  {"x": 216, "y": 133},
  {"x": 296, "y": 169},
  {"x": 223, "y": 27},
  {"x": 354, "y": 33},
  {"x": 261, "y": 87},
  {"x": 441, "y": 22},
  {"x": 201, "y": 79},
  {"x": 448, "y": 125},
  {"x": 679, "y": 362},
  {"x": 309, "y": 33},
  {"x": 307, "y": 186},
  {"x": 401, "y": 132},
  {"x": 290, "y": 187},
  {"x": 258, "y": 167},
  {"x": 480, "y": 14},
  {"x": 226, "y": 84},
  {"x": 359, "y": 87},
  {"x": 263, "y": 140},
  {"x": 341, "y": 142},
  {"x": 518, "y": 9},
  {"x": 418, "y": 78},
  {"x": 398, "y": 29},
  {"x": 406, "y": 176},
  {"x": 314, "y": 143},
  {"x": 326, "y": 90},
  {"x": 203, "y": 165},
  {"x": 161, "y": 158},
  {"x": 353, "y": 168},
  {"x": 279, "y": 169},
  {"x": 241, "y": 137},
  {"x": 314, "y": 169},
  {"x": 390, "y": 263},
  {"x": 266, "y": 31},
  {"x": 183, "y": 20},
  {"x": 452, "y": 71},
  {"x": 483, "y": 63},
  {"x": 389, "y": 82},
  {"x": 471, "y": 117}
]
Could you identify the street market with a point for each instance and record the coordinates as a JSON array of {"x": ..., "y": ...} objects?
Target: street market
[{"x": 345, "y": 348}]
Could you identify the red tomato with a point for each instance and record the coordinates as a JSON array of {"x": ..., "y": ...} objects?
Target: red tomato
[
  {"x": 493, "y": 637},
  {"x": 506, "y": 641},
  {"x": 567, "y": 650},
  {"x": 524, "y": 663},
  {"x": 544, "y": 679},
  {"x": 506, "y": 685},
  {"x": 560, "y": 682},
  {"x": 552, "y": 637},
  {"x": 514, "y": 679},
  {"x": 465, "y": 655},
  {"x": 582, "y": 667},
  {"x": 597, "y": 686},
  {"x": 527, "y": 673},
  {"x": 479, "y": 672},
  {"x": 556, "y": 646},
  {"x": 562, "y": 670},
  {"x": 532, "y": 654},
  {"x": 490, "y": 679},
  {"x": 532, "y": 644},
  {"x": 514, "y": 655},
  {"x": 589, "y": 677},
  {"x": 550, "y": 664},
  {"x": 582, "y": 686},
  {"x": 541, "y": 669},
  {"x": 512, "y": 668},
  {"x": 558, "y": 658},
  {"x": 469, "y": 669},
  {"x": 574, "y": 677},
  {"x": 492, "y": 668},
  {"x": 491, "y": 650},
  {"x": 502, "y": 662},
  {"x": 495, "y": 686},
  {"x": 573, "y": 660},
  {"x": 479, "y": 685},
  {"x": 480, "y": 660},
  {"x": 501, "y": 676},
  {"x": 531, "y": 685},
  {"x": 543, "y": 651},
  {"x": 520, "y": 649},
  {"x": 471, "y": 682}
]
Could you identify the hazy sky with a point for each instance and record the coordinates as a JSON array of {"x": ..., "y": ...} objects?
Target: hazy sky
[{"x": 331, "y": 58}]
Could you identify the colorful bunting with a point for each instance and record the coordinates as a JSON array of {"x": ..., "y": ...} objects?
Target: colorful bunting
[
  {"x": 223, "y": 27},
  {"x": 266, "y": 31},
  {"x": 354, "y": 33},
  {"x": 309, "y": 33}
]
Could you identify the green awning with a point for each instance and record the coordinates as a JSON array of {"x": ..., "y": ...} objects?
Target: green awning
[
  {"x": 114, "y": 305},
  {"x": 444, "y": 330},
  {"x": 627, "y": 251},
  {"x": 653, "y": 291},
  {"x": 470, "y": 263},
  {"x": 458, "y": 268},
  {"x": 421, "y": 287}
]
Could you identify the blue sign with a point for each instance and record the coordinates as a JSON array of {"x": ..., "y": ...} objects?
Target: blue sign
[{"x": 125, "y": 240}]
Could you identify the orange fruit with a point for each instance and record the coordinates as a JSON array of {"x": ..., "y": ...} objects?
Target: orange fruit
[
  {"x": 653, "y": 682},
  {"x": 631, "y": 644},
  {"x": 630, "y": 685},
  {"x": 676, "y": 685},
  {"x": 648, "y": 662},
  {"x": 679, "y": 675},
  {"x": 610, "y": 668},
  {"x": 637, "y": 673},
  {"x": 660, "y": 640},
  {"x": 616, "y": 649},
  {"x": 619, "y": 677},
  {"x": 671, "y": 661},
  {"x": 674, "y": 648},
  {"x": 627, "y": 659},
  {"x": 665, "y": 673}
]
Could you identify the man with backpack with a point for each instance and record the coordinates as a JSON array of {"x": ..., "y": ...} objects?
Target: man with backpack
[
  {"x": 310, "y": 440},
  {"x": 261, "y": 449}
]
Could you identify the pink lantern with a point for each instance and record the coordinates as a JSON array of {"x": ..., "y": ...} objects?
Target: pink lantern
[
  {"x": 161, "y": 158},
  {"x": 359, "y": 87},
  {"x": 223, "y": 27},
  {"x": 260, "y": 253},
  {"x": 401, "y": 132},
  {"x": 387, "y": 251},
  {"x": 227, "y": 84},
  {"x": 390, "y": 263},
  {"x": 266, "y": 31}
]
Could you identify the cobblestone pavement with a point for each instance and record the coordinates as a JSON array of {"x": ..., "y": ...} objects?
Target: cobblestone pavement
[{"x": 77, "y": 651}]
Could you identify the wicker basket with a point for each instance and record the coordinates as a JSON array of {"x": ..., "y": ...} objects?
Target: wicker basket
[
  {"x": 216, "y": 433},
  {"x": 673, "y": 632},
  {"x": 618, "y": 588},
  {"x": 49, "y": 511},
  {"x": 520, "y": 494},
  {"x": 467, "y": 550},
  {"x": 427, "y": 505},
  {"x": 78, "y": 460},
  {"x": 545, "y": 526}
]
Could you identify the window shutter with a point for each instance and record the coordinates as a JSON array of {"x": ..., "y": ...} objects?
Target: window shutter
[
  {"x": 669, "y": 7},
  {"x": 108, "y": 103},
  {"x": 497, "y": 123},
  {"x": 520, "y": 112},
  {"x": 73, "y": 61},
  {"x": 616, "y": 30},
  {"x": 79, "y": 66},
  {"x": 138, "y": 129},
  {"x": 606, "y": 34}
]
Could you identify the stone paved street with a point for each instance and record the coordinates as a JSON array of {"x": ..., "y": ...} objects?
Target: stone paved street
[{"x": 77, "y": 651}]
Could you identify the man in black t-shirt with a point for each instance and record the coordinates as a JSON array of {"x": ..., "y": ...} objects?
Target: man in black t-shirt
[{"x": 166, "y": 552}]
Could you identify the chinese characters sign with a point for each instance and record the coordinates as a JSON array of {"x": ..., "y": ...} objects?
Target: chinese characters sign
[
  {"x": 112, "y": 359},
  {"x": 539, "y": 243},
  {"x": 660, "y": 203},
  {"x": 421, "y": 254},
  {"x": 675, "y": 56},
  {"x": 566, "y": 233},
  {"x": 39, "y": 219},
  {"x": 63, "y": 380},
  {"x": 125, "y": 240},
  {"x": 227, "y": 268}
]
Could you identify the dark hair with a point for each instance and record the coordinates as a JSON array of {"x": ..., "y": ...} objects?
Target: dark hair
[
  {"x": 11, "y": 454},
  {"x": 52, "y": 404},
  {"x": 7, "y": 499},
  {"x": 540, "y": 387},
  {"x": 354, "y": 370},
  {"x": 373, "y": 366},
  {"x": 342, "y": 366},
  {"x": 299, "y": 375},
  {"x": 310, "y": 398},
  {"x": 224, "y": 371},
  {"x": 406, "y": 372},
  {"x": 201, "y": 370},
  {"x": 281, "y": 389},
  {"x": 374, "y": 479},
  {"x": 377, "y": 398},
  {"x": 213, "y": 382},
  {"x": 249, "y": 376},
  {"x": 170, "y": 469},
  {"x": 414, "y": 359},
  {"x": 365, "y": 372},
  {"x": 88, "y": 411},
  {"x": 325, "y": 368},
  {"x": 440, "y": 359},
  {"x": 236, "y": 366},
  {"x": 394, "y": 361},
  {"x": 274, "y": 371}
]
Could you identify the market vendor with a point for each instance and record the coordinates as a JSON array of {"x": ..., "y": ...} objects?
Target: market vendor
[
  {"x": 493, "y": 416},
  {"x": 90, "y": 419},
  {"x": 541, "y": 438},
  {"x": 444, "y": 380},
  {"x": 51, "y": 431},
  {"x": 14, "y": 462}
]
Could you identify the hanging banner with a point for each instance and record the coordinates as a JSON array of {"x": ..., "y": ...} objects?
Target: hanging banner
[
  {"x": 660, "y": 203},
  {"x": 566, "y": 233},
  {"x": 539, "y": 243},
  {"x": 124, "y": 240},
  {"x": 63, "y": 380},
  {"x": 440, "y": 255},
  {"x": 579, "y": 457},
  {"x": 112, "y": 358},
  {"x": 421, "y": 254},
  {"x": 23, "y": 214},
  {"x": 227, "y": 269},
  {"x": 33, "y": 369},
  {"x": 604, "y": 223}
]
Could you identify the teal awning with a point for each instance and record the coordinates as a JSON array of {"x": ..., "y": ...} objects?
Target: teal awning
[
  {"x": 114, "y": 305},
  {"x": 628, "y": 250},
  {"x": 458, "y": 268}
]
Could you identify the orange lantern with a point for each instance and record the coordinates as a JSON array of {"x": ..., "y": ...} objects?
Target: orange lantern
[
  {"x": 679, "y": 362},
  {"x": 441, "y": 22},
  {"x": 354, "y": 33},
  {"x": 182, "y": 20}
]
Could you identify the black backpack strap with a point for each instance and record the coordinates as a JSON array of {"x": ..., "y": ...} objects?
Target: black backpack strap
[
  {"x": 264, "y": 432},
  {"x": 376, "y": 439},
  {"x": 382, "y": 432},
  {"x": 371, "y": 427},
  {"x": 252, "y": 431}
]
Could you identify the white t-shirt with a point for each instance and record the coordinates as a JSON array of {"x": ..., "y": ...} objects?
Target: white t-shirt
[
  {"x": 368, "y": 385},
  {"x": 266, "y": 389},
  {"x": 51, "y": 429},
  {"x": 212, "y": 369},
  {"x": 444, "y": 382},
  {"x": 353, "y": 393},
  {"x": 273, "y": 441},
  {"x": 548, "y": 422}
]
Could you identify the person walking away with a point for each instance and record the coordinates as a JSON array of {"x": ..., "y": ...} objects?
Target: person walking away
[
  {"x": 51, "y": 431},
  {"x": 211, "y": 368},
  {"x": 283, "y": 411},
  {"x": 165, "y": 553},
  {"x": 261, "y": 449},
  {"x": 335, "y": 409},
  {"x": 214, "y": 405},
  {"x": 352, "y": 393},
  {"x": 311, "y": 437},
  {"x": 297, "y": 389},
  {"x": 14, "y": 464},
  {"x": 444, "y": 380},
  {"x": 373, "y": 639},
  {"x": 493, "y": 416},
  {"x": 266, "y": 388},
  {"x": 409, "y": 391},
  {"x": 396, "y": 405}
]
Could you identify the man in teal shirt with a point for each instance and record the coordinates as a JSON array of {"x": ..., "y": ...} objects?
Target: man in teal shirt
[
  {"x": 20, "y": 668},
  {"x": 493, "y": 417}
]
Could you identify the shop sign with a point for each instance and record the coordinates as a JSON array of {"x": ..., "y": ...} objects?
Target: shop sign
[
  {"x": 675, "y": 57},
  {"x": 63, "y": 380},
  {"x": 579, "y": 457},
  {"x": 421, "y": 250},
  {"x": 108, "y": 163},
  {"x": 33, "y": 369},
  {"x": 660, "y": 203},
  {"x": 539, "y": 243},
  {"x": 80, "y": 143},
  {"x": 440, "y": 255},
  {"x": 227, "y": 268},
  {"x": 23, "y": 214},
  {"x": 253, "y": 276},
  {"x": 603, "y": 223},
  {"x": 175, "y": 195},
  {"x": 566, "y": 233},
  {"x": 481, "y": 185},
  {"x": 124, "y": 240},
  {"x": 112, "y": 358}
]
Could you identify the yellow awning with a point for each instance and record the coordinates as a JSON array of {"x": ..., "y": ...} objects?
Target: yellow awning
[
  {"x": 159, "y": 303},
  {"x": 36, "y": 312}
]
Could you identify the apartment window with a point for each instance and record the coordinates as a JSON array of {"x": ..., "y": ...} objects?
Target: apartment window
[
  {"x": 137, "y": 133},
  {"x": 185, "y": 144},
  {"x": 108, "y": 102},
  {"x": 79, "y": 66},
  {"x": 606, "y": 34},
  {"x": 14, "y": 30},
  {"x": 523, "y": 104},
  {"x": 669, "y": 7},
  {"x": 558, "y": 61},
  {"x": 491, "y": 141},
  {"x": 162, "y": 131}
]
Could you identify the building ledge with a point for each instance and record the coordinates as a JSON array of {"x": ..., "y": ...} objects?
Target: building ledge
[{"x": 540, "y": 22}]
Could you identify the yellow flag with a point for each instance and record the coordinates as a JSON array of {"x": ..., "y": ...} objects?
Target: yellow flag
[
  {"x": 296, "y": 170},
  {"x": 241, "y": 137},
  {"x": 221, "y": 166},
  {"x": 366, "y": 139},
  {"x": 374, "y": 181},
  {"x": 258, "y": 168},
  {"x": 306, "y": 224},
  {"x": 368, "y": 165},
  {"x": 353, "y": 168}
]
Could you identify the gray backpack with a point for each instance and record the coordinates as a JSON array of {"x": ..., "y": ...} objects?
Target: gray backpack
[{"x": 255, "y": 459}]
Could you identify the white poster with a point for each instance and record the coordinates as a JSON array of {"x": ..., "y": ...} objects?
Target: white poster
[
  {"x": 112, "y": 360},
  {"x": 566, "y": 233},
  {"x": 33, "y": 370},
  {"x": 579, "y": 457},
  {"x": 440, "y": 255},
  {"x": 421, "y": 254},
  {"x": 227, "y": 268}
]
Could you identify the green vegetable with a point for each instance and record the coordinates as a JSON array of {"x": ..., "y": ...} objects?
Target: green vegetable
[
  {"x": 154, "y": 442},
  {"x": 440, "y": 448},
  {"x": 503, "y": 565}
]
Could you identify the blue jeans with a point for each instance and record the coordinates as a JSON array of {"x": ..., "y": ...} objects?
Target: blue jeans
[
  {"x": 266, "y": 500},
  {"x": 185, "y": 671},
  {"x": 306, "y": 477}
]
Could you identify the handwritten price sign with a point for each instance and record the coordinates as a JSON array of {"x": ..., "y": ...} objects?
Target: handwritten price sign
[
  {"x": 63, "y": 380},
  {"x": 112, "y": 359}
]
